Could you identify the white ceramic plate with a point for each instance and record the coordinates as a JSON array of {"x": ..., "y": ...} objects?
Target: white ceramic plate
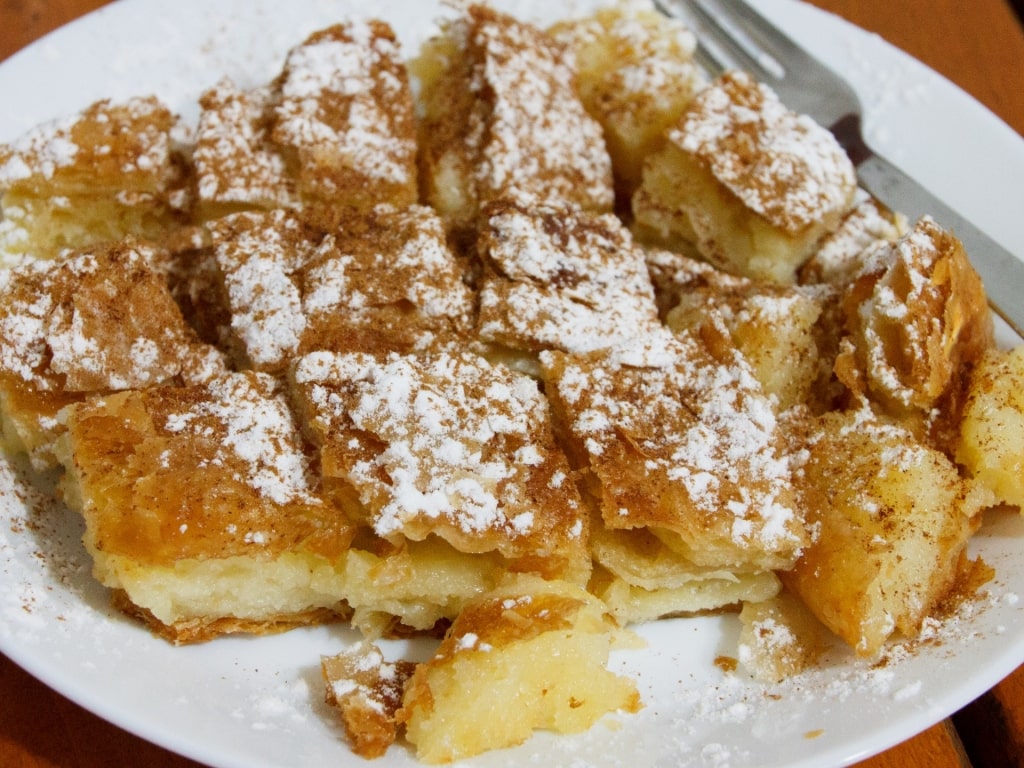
[{"x": 256, "y": 702}]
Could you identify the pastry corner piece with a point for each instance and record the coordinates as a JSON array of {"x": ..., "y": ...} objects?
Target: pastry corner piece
[
  {"x": 344, "y": 118},
  {"x": 115, "y": 169},
  {"x": 531, "y": 654},
  {"x": 201, "y": 510},
  {"x": 97, "y": 321},
  {"x": 745, "y": 183}
]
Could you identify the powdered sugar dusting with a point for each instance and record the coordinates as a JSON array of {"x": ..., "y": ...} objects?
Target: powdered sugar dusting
[
  {"x": 441, "y": 421},
  {"x": 782, "y": 165},
  {"x": 46, "y": 147},
  {"x": 234, "y": 160},
  {"x": 535, "y": 129},
  {"x": 256, "y": 428},
  {"x": 562, "y": 279},
  {"x": 258, "y": 257},
  {"x": 339, "y": 91},
  {"x": 702, "y": 426}
]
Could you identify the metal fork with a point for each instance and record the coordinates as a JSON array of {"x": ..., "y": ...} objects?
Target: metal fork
[{"x": 732, "y": 34}]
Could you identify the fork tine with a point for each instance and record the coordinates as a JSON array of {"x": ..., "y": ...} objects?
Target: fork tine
[
  {"x": 707, "y": 59},
  {"x": 714, "y": 28},
  {"x": 774, "y": 40}
]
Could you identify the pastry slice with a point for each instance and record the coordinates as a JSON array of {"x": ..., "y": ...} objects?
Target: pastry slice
[
  {"x": 675, "y": 434},
  {"x": 532, "y": 654},
  {"x": 446, "y": 446},
  {"x": 745, "y": 183},
  {"x": 637, "y": 74},
  {"x": 501, "y": 118},
  {"x": 115, "y": 169},
  {"x": 891, "y": 517},
  {"x": 100, "y": 320},
  {"x": 344, "y": 118},
  {"x": 556, "y": 277},
  {"x": 202, "y": 510},
  {"x": 237, "y": 164},
  {"x": 380, "y": 281},
  {"x": 367, "y": 692},
  {"x": 914, "y": 319}
]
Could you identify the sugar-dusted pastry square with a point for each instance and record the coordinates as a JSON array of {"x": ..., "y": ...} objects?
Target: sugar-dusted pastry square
[
  {"x": 446, "y": 446},
  {"x": 676, "y": 435},
  {"x": 202, "y": 510},
  {"x": 334, "y": 130},
  {"x": 501, "y": 118},
  {"x": 344, "y": 117},
  {"x": 744, "y": 182},
  {"x": 114, "y": 169},
  {"x": 528, "y": 655},
  {"x": 237, "y": 164},
  {"x": 99, "y": 320},
  {"x": 556, "y": 277},
  {"x": 381, "y": 281},
  {"x": 636, "y": 76}
]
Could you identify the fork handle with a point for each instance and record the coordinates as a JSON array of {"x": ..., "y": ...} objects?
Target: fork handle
[{"x": 1001, "y": 272}]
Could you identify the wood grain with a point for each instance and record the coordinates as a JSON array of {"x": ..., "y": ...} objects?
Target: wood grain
[{"x": 979, "y": 46}]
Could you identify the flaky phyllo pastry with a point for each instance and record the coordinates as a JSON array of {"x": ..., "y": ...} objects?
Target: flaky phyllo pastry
[{"x": 507, "y": 343}]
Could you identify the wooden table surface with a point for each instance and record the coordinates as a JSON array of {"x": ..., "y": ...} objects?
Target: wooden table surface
[{"x": 979, "y": 46}]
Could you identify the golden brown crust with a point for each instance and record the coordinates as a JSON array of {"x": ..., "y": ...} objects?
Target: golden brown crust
[
  {"x": 367, "y": 691},
  {"x": 100, "y": 320},
  {"x": 203, "y": 472},
  {"x": 891, "y": 518},
  {"x": 237, "y": 164},
  {"x": 113, "y": 170},
  {"x": 201, "y": 630},
  {"x": 110, "y": 146},
  {"x": 775, "y": 327}
]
